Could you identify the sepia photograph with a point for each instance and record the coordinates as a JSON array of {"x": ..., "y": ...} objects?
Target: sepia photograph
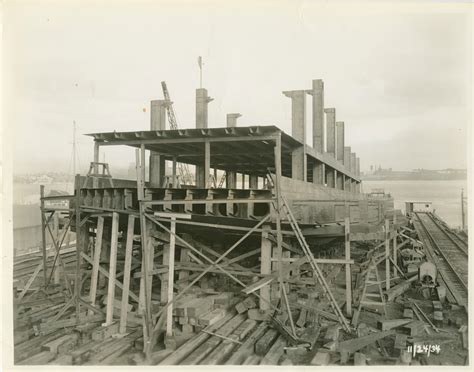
[{"x": 235, "y": 183}]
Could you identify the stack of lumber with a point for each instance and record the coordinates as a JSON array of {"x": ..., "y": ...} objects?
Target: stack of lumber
[{"x": 29, "y": 267}]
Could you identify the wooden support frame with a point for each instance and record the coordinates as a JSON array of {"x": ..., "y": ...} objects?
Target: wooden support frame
[
  {"x": 96, "y": 261},
  {"x": 347, "y": 244},
  {"x": 395, "y": 251},
  {"x": 43, "y": 237},
  {"x": 387, "y": 254},
  {"x": 158, "y": 324},
  {"x": 126, "y": 277},
  {"x": 112, "y": 270}
]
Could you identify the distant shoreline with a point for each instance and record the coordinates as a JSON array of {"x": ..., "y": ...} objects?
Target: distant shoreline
[{"x": 426, "y": 178}]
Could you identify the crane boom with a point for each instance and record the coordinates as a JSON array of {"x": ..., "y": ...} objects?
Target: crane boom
[{"x": 186, "y": 175}]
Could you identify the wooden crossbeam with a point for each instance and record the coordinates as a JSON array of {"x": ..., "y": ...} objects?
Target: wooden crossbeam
[{"x": 104, "y": 272}]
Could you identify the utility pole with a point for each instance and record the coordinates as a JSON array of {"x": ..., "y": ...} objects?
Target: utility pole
[
  {"x": 462, "y": 210},
  {"x": 74, "y": 148}
]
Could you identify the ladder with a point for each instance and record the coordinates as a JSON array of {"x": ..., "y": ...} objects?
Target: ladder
[
  {"x": 221, "y": 182},
  {"x": 183, "y": 169},
  {"x": 316, "y": 270},
  {"x": 372, "y": 280},
  {"x": 105, "y": 173}
]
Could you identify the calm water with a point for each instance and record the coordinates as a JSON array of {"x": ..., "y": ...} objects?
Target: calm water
[{"x": 445, "y": 195}]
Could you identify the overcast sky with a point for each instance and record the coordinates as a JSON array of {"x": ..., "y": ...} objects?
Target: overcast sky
[{"x": 398, "y": 76}]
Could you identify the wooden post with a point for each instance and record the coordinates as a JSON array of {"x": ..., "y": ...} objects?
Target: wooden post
[
  {"x": 95, "y": 266},
  {"x": 169, "y": 314},
  {"x": 57, "y": 239},
  {"x": 126, "y": 275},
  {"x": 347, "y": 231},
  {"x": 138, "y": 168},
  {"x": 164, "y": 276},
  {"x": 387, "y": 254},
  {"x": 278, "y": 207},
  {"x": 79, "y": 242},
  {"x": 395, "y": 254},
  {"x": 265, "y": 267},
  {"x": 143, "y": 165},
  {"x": 95, "y": 180},
  {"x": 207, "y": 163},
  {"x": 112, "y": 270},
  {"x": 43, "y": 236},
  {"x": 463, "y": 218}
]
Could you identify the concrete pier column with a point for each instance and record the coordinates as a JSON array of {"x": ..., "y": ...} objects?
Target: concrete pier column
[
  {"x": 330, "y": 177},
  {"x": 353, "y": 171},
  {"x": 298, "y": 131},
  {"x": 231, "y": 180},
  {"x": 340, "y": 153},
  {"x": 202, "y": 100},
  {"x": 157, "y": 122},
  {"x": 340, "y": 141},
  {"x": 339, "y": 181},
  {"x": 347, "y": 165},
  {"x": 317, "y": 92},
  {"x": 253, "y": 181},
  {"x": 331, "y": 144},
  {"x": 347, "y": 157},
  {"x": 232, "y": 119},
  {"x": 331, "y": 131},
  {"x": 358, "y": 186}
]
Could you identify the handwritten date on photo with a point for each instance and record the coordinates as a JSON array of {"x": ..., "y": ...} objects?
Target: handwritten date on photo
[{"x": 424, "y": 349}]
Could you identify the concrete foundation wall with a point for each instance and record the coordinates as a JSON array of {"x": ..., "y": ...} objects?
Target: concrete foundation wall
[{"x": 313, "y": 203}]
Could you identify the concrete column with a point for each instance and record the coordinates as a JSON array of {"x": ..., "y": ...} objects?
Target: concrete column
[
  {"x": 340, "y": 141},
  {"x": 253, "y": 181},
  {"x": 353, "y": 162},
  {"x": 347, "y": 157},
  {"x": 331, "y": 131},
  {"x": 298, "y": 131},
  {"x": 231, "y": 180},
  {"x": 353, "y": 171},
  {"x": 202, "y": 100},
  {"x": 157, "y": 122},
  {"x": 358, "y": 185},
  {"x": 317, "y": 92},
  {"x": 339, "y": 180},
  {"x": 232, "y": 119},
  {"x": 331, "y": 177}
]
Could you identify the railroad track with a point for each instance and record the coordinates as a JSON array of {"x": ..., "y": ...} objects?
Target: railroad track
[{"x": 450, "y": 256}]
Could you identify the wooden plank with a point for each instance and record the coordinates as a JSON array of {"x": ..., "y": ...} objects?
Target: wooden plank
[
  {"x": 112, "y": 270},
  {"x": 351, "y": 346},
  {"x": 189, "y": 346},
  {"x": 386, "y": 324},
  {"x": 202, "y": 351},
  {"x": 265, "y": 267},
  {"x": 39, "y": 359},
  {"x": 96, "y": 260},
  {"x": 247, "y": 347},
  {"x": 275, "y": 352},
  {"x": 126, "y": 278},
  {"x": 348, "y": 288},
  {"x": 387, "y": 255},
  {"x": 30, "y": 281},
  {"x": 171, "y": 258},
  {"x": 222, "y": 352},
  {"x": 263, "y": 345}
]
